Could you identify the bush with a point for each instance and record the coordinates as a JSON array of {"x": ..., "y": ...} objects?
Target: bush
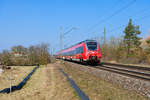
[{"x": 20, "y": 55}]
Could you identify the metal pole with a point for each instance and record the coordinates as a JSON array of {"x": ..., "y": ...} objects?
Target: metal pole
[
  {"x": 104, "y": 36},
  {"x": 61, "y": 39},
  {"x": 10, "y": 81},
  {"x": 104, "y": 45}
]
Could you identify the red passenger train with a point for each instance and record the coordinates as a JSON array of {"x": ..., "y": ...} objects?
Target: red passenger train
[{"x": 85, "y": 51}]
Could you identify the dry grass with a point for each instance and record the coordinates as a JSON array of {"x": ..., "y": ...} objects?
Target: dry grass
[
  {"x": 47, "y": 83},
  {"x": 98, "y": 89},
  {"x": 18, "y": 74}
]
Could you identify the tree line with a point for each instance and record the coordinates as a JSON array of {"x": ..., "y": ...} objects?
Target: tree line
[
  {"x": 130, "y": 48},
  {"x": 20, "y": 55}
]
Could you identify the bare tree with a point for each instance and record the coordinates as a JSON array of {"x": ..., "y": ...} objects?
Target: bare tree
[{"x": 6, "y": 58}]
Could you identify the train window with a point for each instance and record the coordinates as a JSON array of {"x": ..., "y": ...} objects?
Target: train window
[
  {"x": 71, "y": 53},
  {"x": 76, "y": 51},
  {"x": 92, "y": 45},
  {"x": 81, "y": 49}
]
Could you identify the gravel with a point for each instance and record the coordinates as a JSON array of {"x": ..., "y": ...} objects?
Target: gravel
[{"x": 135, "y": 86}]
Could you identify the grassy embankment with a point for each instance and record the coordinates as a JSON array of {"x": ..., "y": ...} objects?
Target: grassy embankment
[{"x": 98, "y": 89}]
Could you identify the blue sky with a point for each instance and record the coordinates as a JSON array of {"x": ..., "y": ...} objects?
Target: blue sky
[{"x": 30, "y": 22}]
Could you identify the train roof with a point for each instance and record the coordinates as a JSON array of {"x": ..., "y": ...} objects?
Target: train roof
[
  {"x": 80, "y": 43},
  {"x": 89, "y": 41}
]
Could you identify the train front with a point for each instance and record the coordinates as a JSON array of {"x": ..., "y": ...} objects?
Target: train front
[{"x": 93, "y": 52}]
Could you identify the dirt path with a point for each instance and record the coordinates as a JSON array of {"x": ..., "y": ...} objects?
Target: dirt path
[
  {"x": 47, "y": 83},
  {"x": 52, "y": 82}
]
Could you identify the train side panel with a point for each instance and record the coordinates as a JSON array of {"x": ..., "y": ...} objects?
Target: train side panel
[{"x": 86, "y": 51}]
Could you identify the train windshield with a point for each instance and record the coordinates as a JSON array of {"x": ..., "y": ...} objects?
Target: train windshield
[{"x": 92, "y": 45}]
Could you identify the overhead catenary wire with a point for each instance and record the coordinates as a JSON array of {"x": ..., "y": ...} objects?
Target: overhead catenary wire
[
  {"x": 119, "y": 27},
  {"x": 118, "y": 12},
  {"x": 112, "y": 7},
  {"x": 67, "y": 28},
  {"x": 65, "y": 33},
  {"x": 138, "y": 19},
  {"x": 113, "y": 14},
  {"x": 139, "y": 12}
]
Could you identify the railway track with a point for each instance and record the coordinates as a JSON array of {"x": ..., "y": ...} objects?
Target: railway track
[
  {"x": 138, "y": 72},
  {"x": 128, "y": 77},
  {"x": 128, "y": 66},
  {"x": 131, "y": 71}
]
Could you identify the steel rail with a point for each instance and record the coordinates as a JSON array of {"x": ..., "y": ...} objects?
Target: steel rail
[
  {"x": 130, "y": 73},
  {"x": 122, "y": 73},
  {"x": 127, "y": 70},
  {"x": 127, "y": 66}
]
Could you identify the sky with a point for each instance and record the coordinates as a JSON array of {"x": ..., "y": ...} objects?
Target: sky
[{"x": 31, "y": 22}]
